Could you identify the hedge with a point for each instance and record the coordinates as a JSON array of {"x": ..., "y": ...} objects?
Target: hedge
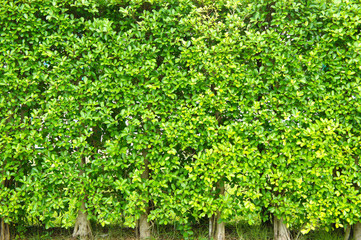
[{"x": 132, "y": 112}]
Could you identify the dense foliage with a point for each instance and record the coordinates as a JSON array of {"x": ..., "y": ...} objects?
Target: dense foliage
[{"x": 181, "y": 109}]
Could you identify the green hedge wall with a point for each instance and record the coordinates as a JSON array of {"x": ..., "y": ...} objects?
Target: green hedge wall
[{"x": 180, "y": 110}]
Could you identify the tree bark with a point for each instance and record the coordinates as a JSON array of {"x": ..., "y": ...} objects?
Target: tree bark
[
  {"x": 281, "y": 231},
  {"x": 4, "y": 227},
  {"x": 4, "y": 230},
  {"x": 357, "y": 227},
  {"x": 144, "y": 226},
  {"x": 347, "y": 233},
  {"x": 82, "y": 227},
  {"x": 220, "y": 231},
  {"x": 210, "y": 229},
  {"x": 217, "y": 227},
  {"x": 357, "y": 231},
  {"x": 220, "y": 226}
]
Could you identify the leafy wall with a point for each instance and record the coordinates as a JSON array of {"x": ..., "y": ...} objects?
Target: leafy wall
[{"x": 180, "y": 110}]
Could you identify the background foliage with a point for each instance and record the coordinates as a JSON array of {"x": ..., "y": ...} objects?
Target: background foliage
[{"x": 262, "y": 97}]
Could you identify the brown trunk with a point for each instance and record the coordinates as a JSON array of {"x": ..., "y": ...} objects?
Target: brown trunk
[
  {"x": 82, "y": 227},
  {"x": 357, "y": 231},
  {"x": 357, "y": 227},
  {"x": 347, "y": 233},
  {"x": 4, "y": 230},
  {"x": 281, "y": 231},
  {"x": 144, "y": 226},
  {"x": 217, "y": 227},
  {"x": 210, "y": 230},
  {"x": 220, "y": 232},
  {"x": 4, "y": 227},
  {"x": 220, "y": 226}
]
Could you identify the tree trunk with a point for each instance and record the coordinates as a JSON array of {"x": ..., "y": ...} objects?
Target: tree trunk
[
  {"x": 4, "y": 227},
  {"x": 347, "y": 233},
  {"x": 357, "y": 231},
  {"x": 144, "y": 226},
  {"x": 220, "y": 231},
  {"x": 220, "y": 226},
  {"x": 82, "y": 227},
  {"x": 4, "y": 230},
  {"x": 357, "y": 227},
  {"x": 217, "y": 227},
  {"x": 210, "y": 229},
  {"x": 281, "y": 231}
]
